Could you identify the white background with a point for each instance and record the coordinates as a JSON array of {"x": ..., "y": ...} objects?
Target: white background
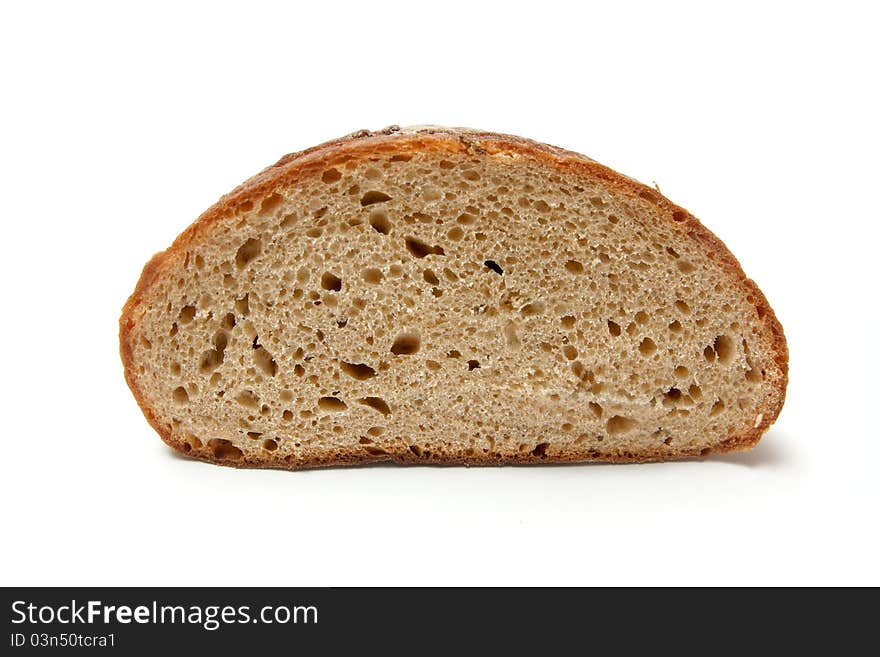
[{"x": 121, "y": 124}]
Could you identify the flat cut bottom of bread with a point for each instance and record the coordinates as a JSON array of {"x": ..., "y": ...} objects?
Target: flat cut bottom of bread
[{"x": 449, "y": 296}]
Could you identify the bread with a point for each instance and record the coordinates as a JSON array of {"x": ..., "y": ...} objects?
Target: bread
[{"x": 434, "y": 295}]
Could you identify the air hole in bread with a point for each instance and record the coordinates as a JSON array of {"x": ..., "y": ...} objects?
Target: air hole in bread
[
  {"x": 540, "y": 450},
  {"x": 647, "y": 347},
  {"x": 613, "y": 328},
  {"x": 248, "y": 399},
  {"x": 224, "y": 449},
  {"x": 430, "y": 277},
  {"x": 247, "y": 252},
  {"x": 725, "y": 349},
  {"x": 213, "y": 358},
  {"x": 186, "y": 315},
  {"x": 494, "y": 266},
  {"x": 263, "y": 360},
  {"x": 753, "y": 374},
  {"x": 372, "y": 275},
  {"x": 619, "y": 424},
  {"x": 420, "y": 217},
  {"x": 270, "y": 445},
  {"x": 180, "y": 395},
  {"x": 420, "y": 249},
  {"x": 406, "y": 344},
  {"x": 574, "y": 267},
  {"x": 679, "y": 216},
  {"x": 379, "y": 221},
  {"x": 671, "y": 396},
  {"x": 358, "y": 371},
  {"x": 376, "y": 403},
  {"x": 332, "y": 404},
  {"x": 595, "y": 408},
  {"x": 682, "y": 307},
  {"x": 242, "y": 306},
  {"x": 570, "y": 352},
  {"x": 330, "y": 281},
  {"x": 373, "y": 197},
  {"x": 717, "y": 408},
  {"x": 431, "y": 194},
  {"x": 675, "y": 326},
  {"x": 270, "y": 203},
  {"x": 455, "y": 233},
  {"x": 473, "y": 364},
  {"x": 331, "y": 176}
]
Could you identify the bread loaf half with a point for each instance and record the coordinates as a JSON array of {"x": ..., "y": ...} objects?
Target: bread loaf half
[{"x": 435, "y": 295}]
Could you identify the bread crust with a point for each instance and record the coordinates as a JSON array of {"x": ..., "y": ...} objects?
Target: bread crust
[{"x": 422, "y": 139}]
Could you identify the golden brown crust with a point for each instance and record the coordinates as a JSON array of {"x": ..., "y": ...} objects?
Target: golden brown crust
[{"x": 452, "y": 140}]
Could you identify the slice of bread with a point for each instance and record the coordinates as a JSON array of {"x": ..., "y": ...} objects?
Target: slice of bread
[{"x": 435, "y": 295}]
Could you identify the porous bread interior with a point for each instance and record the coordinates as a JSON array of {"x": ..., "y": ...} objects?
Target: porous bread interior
[{"x": 449, "y": 306}]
